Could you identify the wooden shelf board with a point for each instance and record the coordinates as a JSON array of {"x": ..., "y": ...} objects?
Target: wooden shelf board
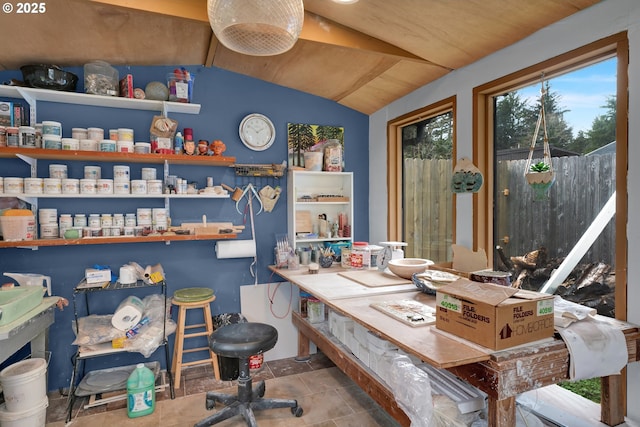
[
  {"x": 111, "y": 240},
  {"x": 91, "y": 156}
]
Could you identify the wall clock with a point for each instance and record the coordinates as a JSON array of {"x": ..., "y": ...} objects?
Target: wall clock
[{"x": 257, "y": 132}]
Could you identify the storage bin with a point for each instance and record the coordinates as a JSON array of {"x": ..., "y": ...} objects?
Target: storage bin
[{"x": 18, "y": 227}]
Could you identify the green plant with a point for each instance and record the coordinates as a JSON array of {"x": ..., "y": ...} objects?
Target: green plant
[
  {"x": 589, "y": 389},
  {"x": 540, "y": 167}
]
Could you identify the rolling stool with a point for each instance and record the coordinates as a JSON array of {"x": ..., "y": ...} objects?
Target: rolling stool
[
  {"x": 243, "y": 340},
  {"x": 188, "y": 299}
]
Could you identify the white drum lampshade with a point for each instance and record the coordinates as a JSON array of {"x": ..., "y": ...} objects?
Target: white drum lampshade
[{"x": 256, "y": 27}]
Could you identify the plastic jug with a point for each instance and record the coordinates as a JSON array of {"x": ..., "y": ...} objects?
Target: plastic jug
[
  {"x": 30, "y": 279},
  {"x": 141, "y": 392}
]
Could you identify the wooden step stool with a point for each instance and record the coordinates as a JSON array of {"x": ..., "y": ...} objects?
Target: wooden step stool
[{"x": 181, "y": 336}]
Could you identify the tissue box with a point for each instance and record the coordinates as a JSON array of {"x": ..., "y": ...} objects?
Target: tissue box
[{"x": 94, "y": 275}]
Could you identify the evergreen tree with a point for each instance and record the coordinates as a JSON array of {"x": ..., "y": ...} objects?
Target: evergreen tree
[
  {"x": 512, "y": 127},
  {"x": 603, "y": 128}
]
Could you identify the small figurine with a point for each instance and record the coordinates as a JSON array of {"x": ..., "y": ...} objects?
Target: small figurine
[
  {"x": 203, "y": 147},
  {"x": 189, "y": 147},
  {"x": 218, "y": 147}
]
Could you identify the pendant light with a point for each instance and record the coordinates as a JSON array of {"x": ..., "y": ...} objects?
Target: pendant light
[{"x": 256, "y": 27}]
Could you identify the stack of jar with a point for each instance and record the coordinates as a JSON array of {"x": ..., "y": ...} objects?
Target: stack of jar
[
  {"x": 48, "y": 221},
  {"x": 121, "y": 179}
]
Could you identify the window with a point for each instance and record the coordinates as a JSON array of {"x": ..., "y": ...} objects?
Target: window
[
  {"x": 489, "y": 135},
  {"x": 421, "y": 204}
]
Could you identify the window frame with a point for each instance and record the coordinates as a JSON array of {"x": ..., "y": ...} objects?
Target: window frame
[
  {"x": 617, "y": 46},
  {"x": 394, "y": 162}
]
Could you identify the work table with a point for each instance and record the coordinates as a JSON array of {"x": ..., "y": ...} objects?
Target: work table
[{"x": 502, "y": 375}]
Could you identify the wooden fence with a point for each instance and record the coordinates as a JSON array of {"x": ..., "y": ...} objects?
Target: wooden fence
[{"x": 582, "y": 187}]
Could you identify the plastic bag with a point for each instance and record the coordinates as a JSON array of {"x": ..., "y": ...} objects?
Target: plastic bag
[
  {"x": 412, "y": 389},
  {"x": 95, "y": 329},
  {"x": 149, "y": 337}
]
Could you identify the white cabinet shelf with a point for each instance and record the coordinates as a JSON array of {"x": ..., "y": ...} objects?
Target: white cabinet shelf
[{"x": 312, "y": 195}]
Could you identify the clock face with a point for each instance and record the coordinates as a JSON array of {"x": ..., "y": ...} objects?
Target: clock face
[{"x": 257, "y": 132}]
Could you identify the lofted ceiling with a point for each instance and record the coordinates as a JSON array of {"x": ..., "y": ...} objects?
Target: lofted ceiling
[{"x": 363, "y": 55}]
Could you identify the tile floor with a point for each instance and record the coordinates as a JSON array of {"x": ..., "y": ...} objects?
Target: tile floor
[{"x": 328, "y": 397}]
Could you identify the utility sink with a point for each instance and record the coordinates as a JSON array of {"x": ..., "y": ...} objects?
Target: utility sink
[{"x": 18, "y": 301}]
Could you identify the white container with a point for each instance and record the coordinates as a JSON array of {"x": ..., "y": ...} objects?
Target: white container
[
  {"x": 143, "y": 216},
  {"x": 88, "y": 186},
  {"x": 33, "y": 185},
  {"x": 13, "y": 185},
  {"x": 105, "y": 186},
  {"x": 128, "y": 231},
  {"x": 70, "y": 144},
  {"x": 58, "y": 171},
  {"x": 124, "y": 146},
  {"x": 108, "y": 145},
  {"x": 35, "y": 416},
  {"x": 52, "y": 186},
  {"x": 121, "y": 187},
  {"x": 15, "y": 228},
  {"x": 88, "y": 145},
  {"x": 125, "y": 134},
  {"x": 113, "y": 134},
  {"x": 94, "y": 221},
  {"x": 154, "y": 186},
  {"x": 97, "y": 134},
  {"x": 313, "y": 160},
  {"x": 106, "y": 221},
  {"x": 51, "y": 142},
  {"x": 79, "y": 220},
  {"x": 51, "y": 128},
  {"x": 49, "y": 231},
  {"x": 70, "y": 186},
  {"x": 138, "y": 186},
  {"x": 24, "y": 384},
  {"x": 79, "y": 133},
  {"x": 48, "y": 216},
  {"x": 121, "y": 173},
  {"x": 1, "y": 185},
  {"x": 142, "y": 147},
  {"x": 92, "y": 172},
  {"x": 27, "y": 136},
  {"x": 118, "y": 220},
  {"x": 149, "y": 173},
  {"x": 66, "y": 222},
  {"x": 130, "y": 220}
]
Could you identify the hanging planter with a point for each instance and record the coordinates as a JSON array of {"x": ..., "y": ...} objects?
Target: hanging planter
[{"x": 540, "y": 176}]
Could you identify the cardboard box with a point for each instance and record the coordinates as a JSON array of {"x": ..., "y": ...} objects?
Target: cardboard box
[
  {"x": 97, "y": 276},
  {"x": 494, "y": 316}
]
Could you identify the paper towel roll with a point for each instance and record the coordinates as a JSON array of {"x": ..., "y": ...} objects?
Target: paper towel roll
[
  {"x": 236, "y": 249},
  {"x": 128, "y": 313}
]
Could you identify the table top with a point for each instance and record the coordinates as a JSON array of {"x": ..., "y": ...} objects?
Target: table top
[{"x": 328, "y": 284}]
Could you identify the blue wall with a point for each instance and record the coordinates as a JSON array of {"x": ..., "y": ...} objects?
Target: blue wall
[{"x": 225, "y": 98}]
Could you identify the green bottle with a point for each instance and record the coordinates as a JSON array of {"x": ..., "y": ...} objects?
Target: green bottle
[{"x": 141, "y": 392}]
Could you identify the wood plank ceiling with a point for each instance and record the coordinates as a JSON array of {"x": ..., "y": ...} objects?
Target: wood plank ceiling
[{"x": 363, "y": 55}]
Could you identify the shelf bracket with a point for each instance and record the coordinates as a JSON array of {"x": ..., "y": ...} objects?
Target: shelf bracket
[
  {"x": 32, "y": 105},
  {"x": 33, "y": 163}
]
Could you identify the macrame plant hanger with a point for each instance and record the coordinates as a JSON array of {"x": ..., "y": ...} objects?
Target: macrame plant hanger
[{"x": 540, "y": 176}]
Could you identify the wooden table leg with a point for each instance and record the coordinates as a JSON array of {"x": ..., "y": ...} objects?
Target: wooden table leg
[
  {"x": 612, "y": 404},
  {"x": 502, "y": 413},
  {"x": 303, "y": 347}
]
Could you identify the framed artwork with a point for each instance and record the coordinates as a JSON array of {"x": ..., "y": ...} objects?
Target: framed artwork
[{"x": 303, "y": 137}]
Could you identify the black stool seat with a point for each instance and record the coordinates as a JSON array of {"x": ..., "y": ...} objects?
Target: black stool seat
[{"x": 241, "y": 341}]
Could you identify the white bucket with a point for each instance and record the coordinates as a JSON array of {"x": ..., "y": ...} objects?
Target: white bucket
[
  {"x": 33, "y": 417},
  {"x": 25, "y": 385}
]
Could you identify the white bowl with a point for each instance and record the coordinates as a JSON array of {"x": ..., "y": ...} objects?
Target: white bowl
[{"x": 406, "y": 267}]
